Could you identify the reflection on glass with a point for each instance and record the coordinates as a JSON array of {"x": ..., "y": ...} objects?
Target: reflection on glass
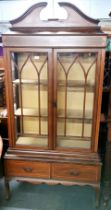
[
  {"x": 30, "y": 94},
  {"x": 75, "y": 98}
]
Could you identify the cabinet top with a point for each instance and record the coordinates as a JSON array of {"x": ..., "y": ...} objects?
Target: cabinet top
[{"x": 76, "y": 22}]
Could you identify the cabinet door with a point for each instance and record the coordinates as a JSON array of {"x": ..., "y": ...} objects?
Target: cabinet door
[
  {"x": 75, "y": 98},
  {"x": 31, "y": 81}
]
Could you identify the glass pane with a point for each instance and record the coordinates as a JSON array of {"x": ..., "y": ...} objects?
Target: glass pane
[
  {"x": 30, "y": 95},
  {"x": 75, "y": 98}
]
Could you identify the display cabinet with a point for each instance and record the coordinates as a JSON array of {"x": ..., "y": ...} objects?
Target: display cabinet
[
  {"x": 3, "y": 109},
  {"x": 2, "y": 83},
  {"x": 106, "y": 112},
  {"x": 54, "y": 74}
]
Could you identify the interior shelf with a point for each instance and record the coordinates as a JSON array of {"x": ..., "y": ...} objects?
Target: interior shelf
[
  {"x": 75, "y": 138},
  {"x": 72, "y": 86},
  {"x": 27, "y": 81},
  {"x": 30, "y": 112},
  {"x": 74, "y": 114},
  {"x": 71, "y": 115},
  {"x": 75, "y": 86},
  {"x": 37, "y": 141},
  {"x": 73, "y": 142}
]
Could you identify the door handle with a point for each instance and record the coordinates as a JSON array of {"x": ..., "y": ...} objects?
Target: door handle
[
  {"x": 74, "y": 173},
  {"x": 28, "y": 169}
]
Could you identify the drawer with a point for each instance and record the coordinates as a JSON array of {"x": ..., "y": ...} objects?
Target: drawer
[
  {"x": 22, "y": 168},
  {"x": 76, "y": 172}
]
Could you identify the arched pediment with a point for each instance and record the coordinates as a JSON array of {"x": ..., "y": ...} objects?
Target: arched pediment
[{"x": 76, "y": 21}]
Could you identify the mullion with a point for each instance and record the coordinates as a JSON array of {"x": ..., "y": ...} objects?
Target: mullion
[
  {"x": 20, "y": 90},
  {"x": 39, "y": 89},
  {"x": 66, "y": 85},
  {"x": 85, "y": 90},
  {"x": 39, "y": 105}
]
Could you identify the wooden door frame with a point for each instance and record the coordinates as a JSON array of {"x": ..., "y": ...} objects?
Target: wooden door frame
[
  {"x": 9, "y": 92},
  {"x": 97, "y": 96}
]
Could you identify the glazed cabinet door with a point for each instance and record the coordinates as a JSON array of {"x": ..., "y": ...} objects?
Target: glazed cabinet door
[
  {"x": 31, "y": 77},
  {"x": 76, "y": 76}
]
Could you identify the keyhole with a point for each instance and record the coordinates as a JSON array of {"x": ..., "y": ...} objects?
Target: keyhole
[{"x": 54, "y": 104}]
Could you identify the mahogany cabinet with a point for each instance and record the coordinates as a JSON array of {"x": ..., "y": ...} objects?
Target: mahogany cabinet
[
  {"x": 54, "y": 75},
  {"x": 3, "y": 110},
  {"x": 106, "y": 110}
]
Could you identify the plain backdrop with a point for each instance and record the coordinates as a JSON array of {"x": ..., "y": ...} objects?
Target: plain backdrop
[{"x": 12, "y": 9}]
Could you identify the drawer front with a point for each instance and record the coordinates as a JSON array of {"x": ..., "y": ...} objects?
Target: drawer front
[
  {"x": 76, "y": 172},
  {"x": 24, "y": 168}
]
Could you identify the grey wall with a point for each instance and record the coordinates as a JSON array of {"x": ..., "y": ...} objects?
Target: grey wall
[{"x": 12, "y": 9}]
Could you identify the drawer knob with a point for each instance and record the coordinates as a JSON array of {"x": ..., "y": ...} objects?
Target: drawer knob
[
  {"x": 28, "y": 169},
  {"x": 74, "y": 173}
]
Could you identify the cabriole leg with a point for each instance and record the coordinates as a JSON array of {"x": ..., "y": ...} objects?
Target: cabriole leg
[
  {"x": 97, "y": 196},
  {"x": 7, "y": 189}
]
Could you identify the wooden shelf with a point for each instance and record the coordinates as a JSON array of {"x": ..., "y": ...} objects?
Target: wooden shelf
[
  {"x": 75, "y": 138},
  {"x": 72, "y": 116},
  {"x": 74, "y": 83},
  {"x": 75, "y": 86},
  {"x": 72, "y": 86},
  {"x": 76, "y": 142},
  {"x": 30, "y": 112},
  {"x": 76, "y": 114},
  {"x": 30, "y": 82},
  {"x": 37, "y": 141}
]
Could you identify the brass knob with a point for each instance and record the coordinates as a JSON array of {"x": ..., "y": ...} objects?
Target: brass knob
[{"x": 74, "y": 173}]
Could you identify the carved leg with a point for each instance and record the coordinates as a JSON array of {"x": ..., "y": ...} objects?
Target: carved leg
[
  {"x": 7, "y": 189},
  {"x": 97, "y": 196},
  {"x": 106, "y": 201},
  {"x": 107, "y": 173}
]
